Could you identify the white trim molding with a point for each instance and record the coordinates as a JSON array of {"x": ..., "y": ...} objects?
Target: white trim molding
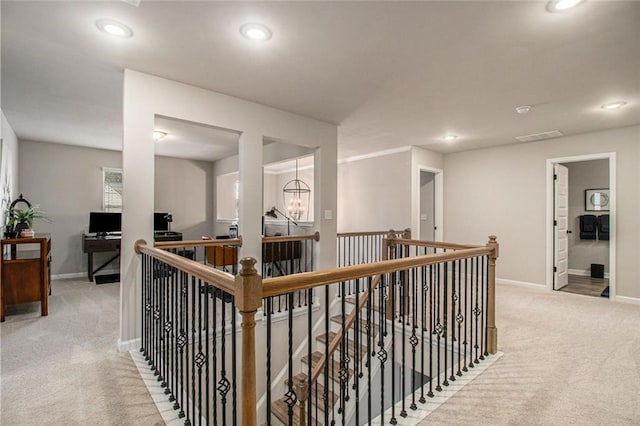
[
  {"x": 627, "y": 299},
  {"x": 525, "y": 284},
  {"x": 584, "y": 272},
  {"x": 129, "y": 345},
  {"x": 375, "y": 154}
]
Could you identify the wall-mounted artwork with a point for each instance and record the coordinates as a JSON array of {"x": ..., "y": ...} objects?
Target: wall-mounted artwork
[{"x": 596, "y": 200}]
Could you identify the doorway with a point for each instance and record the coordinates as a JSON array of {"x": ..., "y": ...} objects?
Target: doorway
[
  {"x": 427, "y": 201},
  {"x": 580, "y": 235}
]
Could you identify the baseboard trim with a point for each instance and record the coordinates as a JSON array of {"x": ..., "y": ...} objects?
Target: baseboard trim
[
  {"x": 129, "y": 345},
  {"x": 627, "y": 299},
  {"x": 81, "y": 274},
  {"x": 584, "y": 273},
  {"x": 521, "y": 284}
]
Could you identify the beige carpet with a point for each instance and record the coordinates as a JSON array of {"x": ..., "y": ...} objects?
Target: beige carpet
[
  {"x": 568, "y": 360},
  {"x": 64, "y": 369}
]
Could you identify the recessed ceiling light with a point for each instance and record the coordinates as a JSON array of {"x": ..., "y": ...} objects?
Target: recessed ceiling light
[
  {"x": 614, "y": 105},
  {"x": 562, "y": 5},
  {"x": 114, "y": 28},
  {"x": 256, "y": 32},
  {"x": 523, "y": 109},
  {"x": 158, "y": 135},
  {"x": 450, "y": 138}
]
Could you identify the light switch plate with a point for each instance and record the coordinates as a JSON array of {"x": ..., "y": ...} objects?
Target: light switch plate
[
  {"x": 423, "y": 216},
  {"x": 328, "y": 214}
]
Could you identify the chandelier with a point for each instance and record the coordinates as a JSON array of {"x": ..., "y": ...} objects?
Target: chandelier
[{"x": 296, "y": 195}]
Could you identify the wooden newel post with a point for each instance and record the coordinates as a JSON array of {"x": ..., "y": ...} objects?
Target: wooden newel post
[
  {"x": 492, "y": 331},
  {"x": 301, "y": 389},
  {"x": 248, "y": 299}
]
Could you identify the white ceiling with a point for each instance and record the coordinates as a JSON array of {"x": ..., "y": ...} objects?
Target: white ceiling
[
  {"x": 389, "y": 73},
  {"x": 194, "y": 141}
]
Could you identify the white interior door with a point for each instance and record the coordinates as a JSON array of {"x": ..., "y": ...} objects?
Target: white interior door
[{"x": 561, "y": 222}]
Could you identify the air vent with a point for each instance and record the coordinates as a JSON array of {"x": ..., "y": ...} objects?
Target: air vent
[
  {"x": 540, "y": 136},
  {"x": 135, "y": 3}
]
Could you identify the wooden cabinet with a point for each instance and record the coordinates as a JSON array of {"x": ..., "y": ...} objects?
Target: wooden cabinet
[{"x": 24, "y": 268}]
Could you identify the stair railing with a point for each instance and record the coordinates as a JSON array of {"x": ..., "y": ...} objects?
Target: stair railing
[{"x": 177, "y": 313}]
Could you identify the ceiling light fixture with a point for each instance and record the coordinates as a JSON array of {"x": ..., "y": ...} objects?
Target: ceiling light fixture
[
  {"x": 255, "y": 32},
  {"x": 613, "y": 105},
  {"x": 158, "y": 135},
  {"x": 450, "y": 138},
  {"x": 523, "y": 109},
  {"x": 562, "y": 5},
  {"x": 114, "y": 28}
]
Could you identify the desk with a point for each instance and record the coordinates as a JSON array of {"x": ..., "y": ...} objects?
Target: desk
[
  {"x": 111, "y": 243},
  {"x": 25, "y": 273},
  {"x": 93, "y": 244}
]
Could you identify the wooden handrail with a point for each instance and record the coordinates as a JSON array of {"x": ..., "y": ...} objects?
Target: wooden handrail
[
  {"x": 333, "y": 346},
  {"x": 219, "y": 279},
  {"x": 436, "y": 244},
  {"x": 205, "y": 242},
  {"x": 285, "y": 238},
  {"x": 287, "y": 284}
]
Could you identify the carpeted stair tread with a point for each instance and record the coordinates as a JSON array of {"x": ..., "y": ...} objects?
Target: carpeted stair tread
[
  {"x": 350, "y": 343},
  {"x": 335, "y": 366},
  {"x": 363, "y": 325},
  {"x": 280, "y": 409},
  {"x": 333, "y": 398}
]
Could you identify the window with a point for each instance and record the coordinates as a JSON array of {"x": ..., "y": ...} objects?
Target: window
[{"x": 111, "y": 189}]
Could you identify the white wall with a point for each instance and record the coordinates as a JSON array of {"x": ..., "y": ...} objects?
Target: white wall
[
  {"x": 144, "y": 97},
  {"x": 423, "y": 159},
  {"x": 184, "y": 188},
  {"x": 502, "y": 191},
  {"x": 374, "y": 194},
  {"x": 9, "y": 168},
  {"x": 66, "y": 181},
  {"x": 585, "y": 175}
]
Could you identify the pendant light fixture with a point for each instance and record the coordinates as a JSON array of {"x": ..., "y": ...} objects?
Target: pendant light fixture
[{"x": 296, "y": 195}]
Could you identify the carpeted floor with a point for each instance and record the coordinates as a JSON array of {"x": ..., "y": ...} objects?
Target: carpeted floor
[
  {"x": 64, "y": 369},
  {"x": 568, "y": 360}
]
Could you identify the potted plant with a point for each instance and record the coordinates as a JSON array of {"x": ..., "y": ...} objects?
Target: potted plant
[{"x": 23, "y": 220}]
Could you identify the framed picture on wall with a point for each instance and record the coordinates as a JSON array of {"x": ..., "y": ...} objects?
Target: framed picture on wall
[{"x": 596, "y": 200}]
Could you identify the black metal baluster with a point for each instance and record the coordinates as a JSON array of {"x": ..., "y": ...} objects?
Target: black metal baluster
[
  {"x": 466, "y": 327},
  {"x": 290, "y": 396},
  {"x": 182, "y": 341},
  {"x": 459, "y": 317},
  {"x": 214, "y": 360},
  {"x": 432, "y": 331},
  {"x": 223, "y": 384},
  {"x": 482, "y": 307},
  {"x": 476, "y": 311},
  {"x": 486, "y": 310},
  {"x": 357, "y": 359},
  {"x": 382, "y": 353},
  {"x": 268, "y": 357},
  {"x": 438, "y": 328},
  {"x": 309, "y": 354},
  {"x": 423, "y": 321},
  {"x": 393, "y": 285},
  {"x": 454, "y": 298},
  {"x": 445, "y": 321},
  {"x": 325, "y": 395},
  {"x": 403, "y": 309},
  {"x": 413, "y": 340},
  {"x": 174, "y": 336},
  {"x": 208, "y": 293},
  {"x": 234, "y": 362},
  {"x": 369, "y": 349},
  {"x": 200, "y": 357}
]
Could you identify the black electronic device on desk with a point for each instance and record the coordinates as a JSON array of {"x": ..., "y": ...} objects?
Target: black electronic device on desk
[{"x": 162, "y": 228}]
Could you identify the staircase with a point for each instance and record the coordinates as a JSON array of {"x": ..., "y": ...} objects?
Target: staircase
[{"x": 283, "y": 414}]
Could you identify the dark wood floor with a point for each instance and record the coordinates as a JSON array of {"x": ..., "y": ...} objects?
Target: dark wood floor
[{"x": 585, "y": 285}]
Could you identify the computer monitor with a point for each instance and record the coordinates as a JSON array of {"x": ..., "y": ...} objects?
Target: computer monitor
[
  {"x": 160, "y": 222},
  {"x": 105, "y": 223}
]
